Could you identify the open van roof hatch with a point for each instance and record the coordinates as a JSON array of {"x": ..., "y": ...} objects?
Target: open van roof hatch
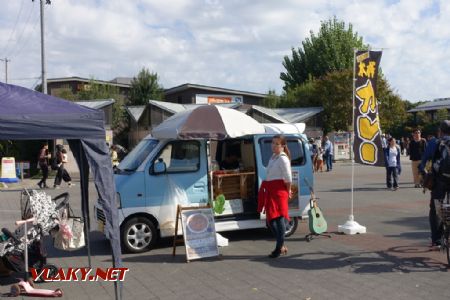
[{"x": 283, "y": 128}]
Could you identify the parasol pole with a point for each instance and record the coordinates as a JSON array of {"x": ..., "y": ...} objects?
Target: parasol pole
[{"x": 351, "y": 226}]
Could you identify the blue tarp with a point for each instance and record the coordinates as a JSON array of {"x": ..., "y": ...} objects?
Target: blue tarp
[{"x": 29, "y": 115}]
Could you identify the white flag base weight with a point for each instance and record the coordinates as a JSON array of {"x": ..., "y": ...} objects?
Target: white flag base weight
[{"x": 351, "y": 227}]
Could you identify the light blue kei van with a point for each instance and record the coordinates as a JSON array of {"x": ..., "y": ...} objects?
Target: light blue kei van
[{"x": 161, "y": 173}]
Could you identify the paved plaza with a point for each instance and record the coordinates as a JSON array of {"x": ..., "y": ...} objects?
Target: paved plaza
[{"x": 391, "y": 261}]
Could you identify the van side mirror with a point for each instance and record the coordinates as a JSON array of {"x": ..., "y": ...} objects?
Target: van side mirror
[{"x": 159, "y": 167}]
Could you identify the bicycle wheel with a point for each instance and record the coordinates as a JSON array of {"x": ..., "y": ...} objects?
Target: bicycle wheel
[{"x": 447, "y": 249}]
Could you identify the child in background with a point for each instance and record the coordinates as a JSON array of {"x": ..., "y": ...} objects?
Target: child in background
[{"x": 319, "y": 160}]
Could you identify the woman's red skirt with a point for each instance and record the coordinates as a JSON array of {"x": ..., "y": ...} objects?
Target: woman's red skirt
[{"x": 273, "y": 198}]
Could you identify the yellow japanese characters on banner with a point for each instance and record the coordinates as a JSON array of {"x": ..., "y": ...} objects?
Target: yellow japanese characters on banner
[{"x": 367, "y": 144}]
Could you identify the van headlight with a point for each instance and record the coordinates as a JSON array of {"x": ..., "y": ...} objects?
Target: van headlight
[{"x": 118, "y": 201}]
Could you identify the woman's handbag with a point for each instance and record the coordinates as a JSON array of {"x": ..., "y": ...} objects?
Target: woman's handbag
[
  {"x": 70, "y": 235},
  {"x": 428, "y": 180}
]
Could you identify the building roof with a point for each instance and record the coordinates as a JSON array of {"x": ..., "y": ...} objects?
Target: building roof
[
  {"x": 176, "y": 107},
  {"x": 298, "y": 115},
  {"x": 433, "y": 105},
  {"x": 136, "y": 112},
  {"x": 168, "y": 106},
  {"x": 86, "y": 80},
  {"x": 270, "y": 112},
  {"x": 97, "y": 103},
  {"x": 122, "y": 80},
  {"x": 282, "y": 115},
  {"x": 186, "y": 86}
]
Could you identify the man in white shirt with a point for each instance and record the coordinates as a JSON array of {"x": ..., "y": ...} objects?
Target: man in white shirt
[{"x": 328, "y": 153}]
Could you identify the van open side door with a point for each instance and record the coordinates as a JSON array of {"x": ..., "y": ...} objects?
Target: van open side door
[{"x": 301, "y": 168}]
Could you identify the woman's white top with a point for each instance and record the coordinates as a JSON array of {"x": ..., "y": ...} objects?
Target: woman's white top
[{"x": 279, "y": 167}]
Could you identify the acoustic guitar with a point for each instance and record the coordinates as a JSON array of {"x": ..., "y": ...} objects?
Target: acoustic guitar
[{"x": 317, "y": 222}]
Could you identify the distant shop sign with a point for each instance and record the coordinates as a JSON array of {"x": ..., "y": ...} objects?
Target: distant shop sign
[{"x": 213, "y": 98}]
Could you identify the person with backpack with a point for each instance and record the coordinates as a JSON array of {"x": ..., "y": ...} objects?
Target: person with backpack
[
  {"x": 416, "y": 149},
  {"x": 61, "y": 173},
  {"x": 314, "y": 150},
  {"x": 43, "y": 165},
  {"x": 392, "y": 161},
  {"x": 437, "y": 152}
]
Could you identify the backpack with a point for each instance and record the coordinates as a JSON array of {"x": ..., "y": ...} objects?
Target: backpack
[
  {"x": 54, "y": 163},
  {"x": 442, "y": 163}
]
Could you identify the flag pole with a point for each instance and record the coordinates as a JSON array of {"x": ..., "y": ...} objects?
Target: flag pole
[{"x": 351, "y": 226}]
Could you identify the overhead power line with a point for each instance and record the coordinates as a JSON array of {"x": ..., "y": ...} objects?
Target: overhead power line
[
  {"x": 21, "y": 34},
  {"x": 5, "y": 47}
]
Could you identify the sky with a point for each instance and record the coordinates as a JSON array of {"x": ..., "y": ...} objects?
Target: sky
[{"x": 222, "y": 43}]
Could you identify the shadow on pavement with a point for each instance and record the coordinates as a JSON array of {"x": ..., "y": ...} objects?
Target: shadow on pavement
[
  {"x": 358, "y": 262},
  {"x": 418, "y": 223},
  {"x": 98, "y": 243}
]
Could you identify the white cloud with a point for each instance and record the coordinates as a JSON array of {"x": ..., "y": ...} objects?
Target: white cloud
[{"x": 233, "y": 44}]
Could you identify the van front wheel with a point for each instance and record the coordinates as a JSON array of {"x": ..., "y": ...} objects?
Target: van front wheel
[
  {"x": 291, "y": 226},
  {"x": 138, "y": 235}
]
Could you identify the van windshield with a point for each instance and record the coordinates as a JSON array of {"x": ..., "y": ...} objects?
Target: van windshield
[{"x": 135, "y": 158}]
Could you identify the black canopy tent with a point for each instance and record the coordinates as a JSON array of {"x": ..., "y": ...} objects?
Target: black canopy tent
[{"x": 29, "y": 115}]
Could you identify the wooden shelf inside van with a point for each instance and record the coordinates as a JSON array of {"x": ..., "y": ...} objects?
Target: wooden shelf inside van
[{"x": 234, "y": 185}]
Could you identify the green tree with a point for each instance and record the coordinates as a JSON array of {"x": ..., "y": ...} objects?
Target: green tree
[
  {"x": 391, "y": 108},
  {"x": 303, "y": 95},
  {"x": 95, "y": 90},
  {"x": 330, "y": 50},
  {"x": 145, "y": 87},
  {"x": 67, "y": 94},
  {"x": 441, "y": 115},
  {"x": 334, "y": 92},
  {"x": 271, "y": 100}
]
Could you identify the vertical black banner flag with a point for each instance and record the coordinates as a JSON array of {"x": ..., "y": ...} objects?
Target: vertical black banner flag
[{"x": 367, "y": 144}]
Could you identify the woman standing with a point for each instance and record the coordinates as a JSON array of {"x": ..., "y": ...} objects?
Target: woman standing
[{"x": 275, "y": 191}]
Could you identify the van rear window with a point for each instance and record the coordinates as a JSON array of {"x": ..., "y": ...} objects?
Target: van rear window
[{"x": 295, "y": 147}]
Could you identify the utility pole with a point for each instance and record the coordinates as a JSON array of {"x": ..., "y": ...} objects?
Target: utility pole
[
  {"x": 6, "y": 60},
  {"x": 43, "y": 66}
]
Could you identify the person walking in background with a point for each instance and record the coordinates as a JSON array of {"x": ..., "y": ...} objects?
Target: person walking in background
[
  {"x": 416, "y": 149},
  {"x": 402, "y": 145},
  {"x": 43, "y": 158},
  {"x": 114, "y": 156},
  {"x": 319, "y": 160},
  {"x": 328, "y": 153},
  {"x": 384, "y": 143},
  {"x": 62, "y": 174},
  {"x": 275, "y": 191},
  {"x": 407, "y": 141},
  {"x": 314, "y": 150},
  {"x": 392, "y": 161},
  {"x": 425, "y": 167}
]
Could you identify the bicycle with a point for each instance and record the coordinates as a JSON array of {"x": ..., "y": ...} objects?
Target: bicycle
[{"x": 444, "y": 210}]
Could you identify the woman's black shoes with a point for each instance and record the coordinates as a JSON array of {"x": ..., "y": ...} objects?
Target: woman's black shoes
[{"x": 275, "y": 253}]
